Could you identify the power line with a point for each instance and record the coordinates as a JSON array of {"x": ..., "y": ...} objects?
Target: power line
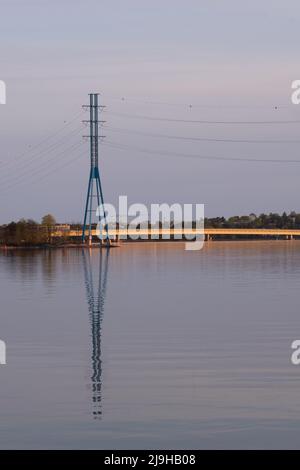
[
  {"x": 200, "y": 139},
  {"x": 197, "y": 157},
  {"x": 45, "y": 165},
  {"x": 26, "y": 169},
  {"x": 53, "y": 170},
  {"x": 199, "y": 121},
  {"x": 38, "y": 155},
  {"x": 190, "y": 104},
  {"x": 46, "y": 139}
]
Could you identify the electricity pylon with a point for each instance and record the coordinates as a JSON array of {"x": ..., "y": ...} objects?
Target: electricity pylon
[{"x": 94, "y": 185}]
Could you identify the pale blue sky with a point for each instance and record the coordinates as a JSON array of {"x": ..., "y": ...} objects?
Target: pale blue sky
[{"x": 236, "y": 58}]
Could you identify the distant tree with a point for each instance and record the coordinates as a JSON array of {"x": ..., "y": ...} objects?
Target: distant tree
[
  {"x": 48, "y": 220},
  {"x": 297, "y": 221},
  {"x": 22, "y": 233},
  {"x": 234, "y": 221}
]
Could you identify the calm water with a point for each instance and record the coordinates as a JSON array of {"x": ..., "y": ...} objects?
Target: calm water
[{"x": 151, "y": 347}]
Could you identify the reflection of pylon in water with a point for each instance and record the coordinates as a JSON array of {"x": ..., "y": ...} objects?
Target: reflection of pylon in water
[
  {"x": 94, "y": 185},
  {"x": 95, "y": 298}
]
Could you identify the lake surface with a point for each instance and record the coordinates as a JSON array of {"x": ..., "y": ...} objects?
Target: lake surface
[{"x": 151, "y": 346}]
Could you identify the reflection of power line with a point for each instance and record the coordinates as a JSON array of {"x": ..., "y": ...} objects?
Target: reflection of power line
[{"x": 95, "y": 297}]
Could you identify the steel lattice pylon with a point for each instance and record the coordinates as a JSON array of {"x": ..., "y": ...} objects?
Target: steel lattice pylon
[{"x": 94, "y": 186}]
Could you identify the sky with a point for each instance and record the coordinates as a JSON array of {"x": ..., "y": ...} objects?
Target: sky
[{"x": 159, "y": 67}]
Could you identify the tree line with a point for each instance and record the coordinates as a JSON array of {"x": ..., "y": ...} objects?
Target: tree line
[
  {"x": 267, "y": 221},
  {"x": 28, "y": 232}
]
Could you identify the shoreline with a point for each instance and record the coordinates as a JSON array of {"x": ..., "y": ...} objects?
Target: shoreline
[{"x": 135, "y": 242}]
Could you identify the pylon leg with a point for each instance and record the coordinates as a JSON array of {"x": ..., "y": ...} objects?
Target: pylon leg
[{"x": 86, "y": 207}]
